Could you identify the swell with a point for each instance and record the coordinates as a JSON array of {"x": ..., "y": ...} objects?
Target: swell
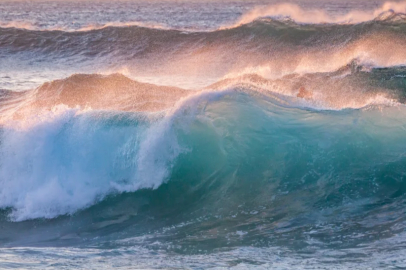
[
  {"x": 32, "y": 27},
  {"x": 283, "y": 11},
  {"x": 267, "y": 47},
  {"x": 297, "y": 46},
  {"x": 390, "y": 22}
]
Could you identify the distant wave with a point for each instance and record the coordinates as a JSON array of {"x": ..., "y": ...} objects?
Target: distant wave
[
  {"x": 32, "y": 27},
  {"x": 283, "y": 11},
  {"x": 300, "y": 15},
  {"x": 267, "y": 47}
]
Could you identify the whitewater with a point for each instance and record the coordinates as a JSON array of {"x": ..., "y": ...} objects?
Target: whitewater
[{"x": 202, "y": 134}]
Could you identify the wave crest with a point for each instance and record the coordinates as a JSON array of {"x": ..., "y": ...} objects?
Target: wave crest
[
  {"x": 388, "y": 11},
  {"x": 352, "y": 86}
]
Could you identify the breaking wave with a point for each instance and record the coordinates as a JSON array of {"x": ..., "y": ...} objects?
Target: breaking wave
[
  {"x": 56, "y": 138},
  {"x": 296, "y": 133}
]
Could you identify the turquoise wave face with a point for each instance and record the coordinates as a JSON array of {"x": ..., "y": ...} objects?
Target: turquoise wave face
[{"x": 236, "y": 170}]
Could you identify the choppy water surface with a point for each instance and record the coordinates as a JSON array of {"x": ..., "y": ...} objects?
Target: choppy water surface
[{"x": 202, "y": 135}]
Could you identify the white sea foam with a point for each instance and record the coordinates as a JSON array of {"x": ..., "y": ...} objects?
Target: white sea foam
[
  {"x": 69, "y": 160},
  {"x": 66, "y": 159}
]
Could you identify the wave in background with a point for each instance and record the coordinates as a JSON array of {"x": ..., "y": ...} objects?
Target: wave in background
[
  {"x": 268, "y": 47},
  {"x": 290, "y": 11},
  {"x": 313, "y": 16}
]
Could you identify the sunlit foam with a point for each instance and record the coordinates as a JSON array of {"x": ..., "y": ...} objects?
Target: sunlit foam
[{"x": 315, "y": 16}]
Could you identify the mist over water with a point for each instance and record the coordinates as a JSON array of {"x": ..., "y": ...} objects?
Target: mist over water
[
  {"x": 43, "y": 41},
  {"x": 202, "y": 135}
]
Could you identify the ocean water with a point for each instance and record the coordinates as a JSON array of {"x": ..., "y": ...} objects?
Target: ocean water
[{"x": 202, "y": 134}]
